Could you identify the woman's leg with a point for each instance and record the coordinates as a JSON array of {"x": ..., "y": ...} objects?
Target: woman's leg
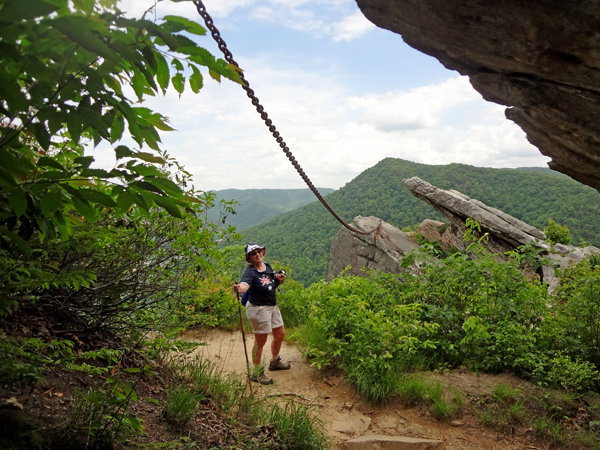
[
  {"x": 260, "y": 339},
  {"x": 278, "y": 335}
]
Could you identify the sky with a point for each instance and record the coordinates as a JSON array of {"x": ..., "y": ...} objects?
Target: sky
[{"x": 343, "y": 93}]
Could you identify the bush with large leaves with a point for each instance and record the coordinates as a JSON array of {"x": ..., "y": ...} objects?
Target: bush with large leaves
[{"x": 66, "y": 70}]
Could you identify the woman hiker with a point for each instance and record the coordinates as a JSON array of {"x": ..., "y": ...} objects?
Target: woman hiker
[{"x": 262, "y": 310}]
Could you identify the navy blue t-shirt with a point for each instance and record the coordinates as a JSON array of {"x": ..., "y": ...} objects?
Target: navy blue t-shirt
[{"x": 262, "y": 285}]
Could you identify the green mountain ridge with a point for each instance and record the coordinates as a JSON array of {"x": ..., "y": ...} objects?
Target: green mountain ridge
[
  {"x": 302, "y": 238},
  {"x": 259, "y": 205}
]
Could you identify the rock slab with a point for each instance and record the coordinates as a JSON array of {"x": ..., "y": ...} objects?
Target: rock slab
[
  {"x": 457, "y": 207},
  {"x": 377, "y": 442}
]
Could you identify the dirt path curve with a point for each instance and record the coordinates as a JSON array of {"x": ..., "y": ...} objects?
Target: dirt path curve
[{"x": 344, "y": 415}]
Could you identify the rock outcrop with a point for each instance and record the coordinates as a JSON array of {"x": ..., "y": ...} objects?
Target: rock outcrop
[
  {"x": 381, "y": 250},
  {"x": 505, "y": 231},
  {"x": 384, "y": 249},
  {"x": 540, "y": 58}
]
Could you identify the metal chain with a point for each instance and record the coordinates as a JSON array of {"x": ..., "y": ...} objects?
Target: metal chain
[{"x": 263, "y": 114}]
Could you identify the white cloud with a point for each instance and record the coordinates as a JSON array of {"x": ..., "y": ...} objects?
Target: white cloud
[
  {"x": 422, "y": 107},
  {"x": 340, "y": 20},
  {"x": 350, "y": 27}
]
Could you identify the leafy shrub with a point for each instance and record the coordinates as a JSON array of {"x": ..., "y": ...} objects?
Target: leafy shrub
[
  {"x": 564, "y": 373},
  {"x": 576, "y": 323},
  {"x": 358, "y": 323},
  {"x": 557, "y": 234}
]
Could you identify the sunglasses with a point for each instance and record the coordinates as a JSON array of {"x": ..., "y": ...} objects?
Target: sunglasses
[{"x": 255, "y": 252}]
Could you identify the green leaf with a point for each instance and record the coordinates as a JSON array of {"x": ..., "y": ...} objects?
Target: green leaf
[
  {"x": 149, "y": 157},
  {"x": 146, "y": 171},
  {"x": 10, "y": 91},
  {"x": 80, "y": 30},
  {"x": 178, "y": 82},
  {"x": 61, "y": 224},
  {"x": 41, "y": 134},
  {"x": 18, "y": 201},
  {"x": 125, "y": 200},
  {"x": 46, "y": 161},
  {"x": 166, "y": 185},
  {"x": 122, "y": 152},
  {"x": 162, "y": 72},
  {"x": 139, "y": 84},
  {"x": 215, "y": 75},
  {"x": 145, "y": 186},
  {"x": 190, "y": 27},
  {"x": 16, "y": 11},
  {"x": 100, "y": 173},
  {"x": 74, "y": 125},
  {"x": 17, "y": 240},
  {"x": 81, "y": 183},
  {"x": 167, "y": 204},
  {"x": 113, "y": 83},
  {"x": 98, "y": 197},
  {"x": 183, "y": 43},
  {"x": 196, "y": 81},
  {"x": 154, "y": 119},
  {"x": 143, "y": 201},
  {"x": 117, "y": 128},
  {"x": 84, "y": 161},
  {"x": 50, "y": 202},
  {"x": 116, "y": 190},
  {"x": 177, "y": 64},
  {"x": 149, "y": 57},
  {"x": 85, "y": 209}
]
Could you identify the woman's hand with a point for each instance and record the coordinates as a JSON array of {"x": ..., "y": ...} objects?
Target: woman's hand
[
  {"x": 280, "y": 277},
  {"x": 240, "y": 288}
]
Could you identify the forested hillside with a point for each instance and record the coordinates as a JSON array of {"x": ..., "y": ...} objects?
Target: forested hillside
[
  {"x": 302, "y": 238},
  {"x": 258, "y": 205}
]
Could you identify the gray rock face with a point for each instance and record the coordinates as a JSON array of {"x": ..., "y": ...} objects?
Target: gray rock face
[
  {"x": 540, "y": 58},
  {"x": 381, "y": 250}
]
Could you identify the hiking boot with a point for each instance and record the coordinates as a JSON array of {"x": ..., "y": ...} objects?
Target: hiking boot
[
  {"x": 278, "y": 364},
  {"x": 262, "y": 379}
]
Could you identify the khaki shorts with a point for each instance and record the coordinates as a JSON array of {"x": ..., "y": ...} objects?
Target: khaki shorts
[{"x": 263, "y": 318}]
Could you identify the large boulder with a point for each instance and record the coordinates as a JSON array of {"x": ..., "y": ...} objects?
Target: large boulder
[
  {"x": 381, "y": 250},
  {"x": 540, "y": 58}
]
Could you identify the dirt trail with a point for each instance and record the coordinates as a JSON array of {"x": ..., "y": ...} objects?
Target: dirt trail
[{"x": 345, "y": 415}]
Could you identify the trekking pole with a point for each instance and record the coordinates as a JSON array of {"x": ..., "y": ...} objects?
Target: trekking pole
[{"x": 244, "y": 339}]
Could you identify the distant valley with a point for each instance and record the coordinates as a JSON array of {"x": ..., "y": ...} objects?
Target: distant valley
[{"x": 259, "y": 205}]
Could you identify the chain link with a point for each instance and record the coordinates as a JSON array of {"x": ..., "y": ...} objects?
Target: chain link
[{"x": 265, "y": 117}]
